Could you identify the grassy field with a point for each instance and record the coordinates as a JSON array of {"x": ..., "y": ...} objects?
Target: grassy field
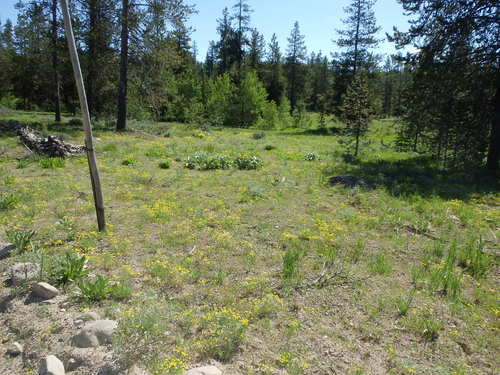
[{"x": 269, "y": 270}]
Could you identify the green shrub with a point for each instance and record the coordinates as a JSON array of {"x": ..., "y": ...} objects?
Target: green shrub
[
  {"x": 21, "y": 164},
  {"x": 205, "y": 161},
  {"x": 269, "y": 147},
  {"x": 164, "y": 165},
  {"x": 247, "y": 162},
  {"x": 311, "y": 157},
  {"x": 94, "y": 290},
  {"x": 129, "y": 161},
  {"x": 52, "y": 163},
  {"x": 222, "y": 333},
  {"x": 258, "y": 135},
  {"x": 75, "y": 122},
  {"x": 68, "y": 268},
  {"x": 20, "y": 238},
  {"x": 9, "y": 201},
  {"x": 403, "y": 304},
  {"x": 121, "y": 290}
]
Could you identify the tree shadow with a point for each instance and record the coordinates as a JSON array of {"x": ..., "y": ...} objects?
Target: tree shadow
[
  {"x": 422, "y": 176},
  {"x": 326, "y": 131}
]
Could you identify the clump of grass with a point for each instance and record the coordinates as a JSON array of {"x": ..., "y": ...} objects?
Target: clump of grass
[
  {"x": 75, "y": 122},
  {"x": 474, "y": 259},
  {"x": 68, "y": 268},
  {"x": 20, "y": 238},
  {"x": 444, "y": 278},
  {"x": 22, "y": 163},
  {"x": 403, "y": 304},
  {"x": 269, "y": 147},
  {"x": 291, "y": 260},
  {"x": 427, "y": 327},
  {"x": 380, "y": 265},
  {"x": 110, "y": 147},
  {"x": 129, "y": 161},
  {"x": 9, "y": 201},
  {"x": 164, "y": 165},
  {"x": 357, "y": 251},
  {"x": 52, "y": 163}
]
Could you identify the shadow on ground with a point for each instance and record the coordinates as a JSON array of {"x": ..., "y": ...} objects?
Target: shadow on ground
[{"x": 421, "y": 176}]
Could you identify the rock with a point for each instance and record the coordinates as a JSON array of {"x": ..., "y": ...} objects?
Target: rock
[
  {"x": 95, "y": 333},
  {"x": 88, "y": 316},
  {"x": 73, "y": 364},
  {"x": 205, "y": 370},
  {"x": 22, "y": 272},
  {"x": 136, "y": 370},
  {"x": 51, "y": 365},
  {"x": 6, "y": 249},
  {"x": 15, "y": 349},
  {"x": 349, "y": 182},
  {"x": 45, "y": 290}
]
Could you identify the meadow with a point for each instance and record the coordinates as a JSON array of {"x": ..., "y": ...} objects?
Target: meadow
[{"x": 230, "y": 245}]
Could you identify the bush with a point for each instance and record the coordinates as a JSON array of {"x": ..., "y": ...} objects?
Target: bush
[
  {"x": 129, "y": 161},
  {"x": 269, "y": 147},
  {"x": 75, "y": 122},
  {"x": 311, "y": 157},
  {"x": 69, "y": 268},
  {"x": 20, "y": 238},
  {"x": 94, "y": 290},
  {"x": 204, "y": 161},
  {"x": 258, "y": 135},
  {"x": 219, "y": 100},
  {"x": 270, "y": 116},
  {"x": 164, "y": 165},
  {"x": 248, "y": 162}
]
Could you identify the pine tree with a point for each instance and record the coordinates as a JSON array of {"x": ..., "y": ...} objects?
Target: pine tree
[
  {"x": 359, "y": 36},
  {"x": 456, "y": 80},
  {"x": 256, "y": 51},
  {"x": 275, "y": 79},
  {"x": 356, "y": 110},
  {"x": 296, "y": 56}
]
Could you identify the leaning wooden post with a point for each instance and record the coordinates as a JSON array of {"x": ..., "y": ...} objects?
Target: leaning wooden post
[{"x": 89, "y": 142}]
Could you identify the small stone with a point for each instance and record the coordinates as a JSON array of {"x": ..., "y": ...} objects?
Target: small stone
[
  {"x": 73, "y": 364},
  {"x": 95, "y": 333},
  {"x": 22, "y": 272},
  {"x": 205, "y": 370},
  {"x": 136, "y": 370},
  {"x": 45, "y": 290},
  {"x": 15, "y": 349},
  {"x": 51, "y": 365},
  {"x": 6, "y": 249}
]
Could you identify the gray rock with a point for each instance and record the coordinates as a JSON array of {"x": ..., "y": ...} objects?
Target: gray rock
[
  {"x": 6, "y": 249},
  {"x": 45, "y": 290},
  {"x": 136, "y": 370},
  {"x": 205, "y": 370},
  {"x": 15, "y": 349},
  {"x": 51, "y": 365},
  {"x": 89, "y": 316},
  {"x": 95, "y": 333},
  {"x": 22, "y": 272}
]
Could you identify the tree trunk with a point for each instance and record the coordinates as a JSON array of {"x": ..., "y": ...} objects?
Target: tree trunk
[
  {"x": 494, "y": 147},
  {"x": 121, "y": 121},
  {"x": 55, "y": 63}
]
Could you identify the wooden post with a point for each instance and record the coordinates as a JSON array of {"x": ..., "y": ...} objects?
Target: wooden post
[{"x": 89, "y": 142}]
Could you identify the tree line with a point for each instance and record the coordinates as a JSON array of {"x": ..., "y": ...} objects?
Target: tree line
[{"x": 140, "y": 62}]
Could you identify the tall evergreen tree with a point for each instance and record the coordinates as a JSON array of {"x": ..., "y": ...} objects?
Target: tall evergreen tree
[
  {"x": 295, "y": 59},
  {"x": 275, "y": 79},
  {"x": 356, "y": 109},
  {"x": 456, "y": 80}
]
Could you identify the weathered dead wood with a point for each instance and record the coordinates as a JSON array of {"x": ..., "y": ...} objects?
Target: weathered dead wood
[{"x": 51, "y": 145}]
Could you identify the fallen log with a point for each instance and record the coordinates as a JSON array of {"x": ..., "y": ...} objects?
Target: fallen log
[{"x": 51, "y": 145}]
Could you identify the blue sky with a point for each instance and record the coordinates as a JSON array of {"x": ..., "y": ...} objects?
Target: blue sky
[{"x": 318, "y": 20}]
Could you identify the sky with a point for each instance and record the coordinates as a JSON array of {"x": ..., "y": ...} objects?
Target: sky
[{"x": 318, "y": 20}]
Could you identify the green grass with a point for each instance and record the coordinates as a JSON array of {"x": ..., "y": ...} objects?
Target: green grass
[{"x": 259, "y": 262}]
